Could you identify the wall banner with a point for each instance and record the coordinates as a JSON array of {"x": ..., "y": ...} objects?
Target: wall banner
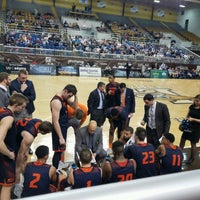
[
  {"x": 159, "y": 74},
  {"x": 14, "y": 68},
  {"x": 90, "y": 71}
]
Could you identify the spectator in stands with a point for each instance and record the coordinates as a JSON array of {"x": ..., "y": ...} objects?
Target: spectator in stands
[
  {"x": 128, "y": 67},
  {"x": 108, "y": 70},
  {"x": 163, "y": 66},
  {"x": 91, "y": 45},
  {"x": 73, "y": 7}
]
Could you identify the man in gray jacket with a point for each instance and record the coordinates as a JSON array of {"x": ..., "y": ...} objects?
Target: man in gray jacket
[
  {"x": 4, "y": 93},
  {"x": 90, "y": 136}
]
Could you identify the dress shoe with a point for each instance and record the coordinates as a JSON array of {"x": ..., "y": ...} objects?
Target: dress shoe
[{"x": 190, "y": 161}]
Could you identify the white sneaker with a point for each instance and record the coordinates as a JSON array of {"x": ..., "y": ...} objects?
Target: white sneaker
[
  {"x": 109, "y": 151},
  {"x": 93, "y": 161},
  {"x": 18, "y": 190},
  {"x": 68, "y": 188},
  {"x": 63, "y": 165}
]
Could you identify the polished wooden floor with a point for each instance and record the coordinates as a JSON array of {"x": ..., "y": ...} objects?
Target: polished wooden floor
[{"x": 176, "y": 93}]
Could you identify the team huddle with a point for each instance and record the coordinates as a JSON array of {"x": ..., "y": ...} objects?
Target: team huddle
[{"x": 144, "y": 152}]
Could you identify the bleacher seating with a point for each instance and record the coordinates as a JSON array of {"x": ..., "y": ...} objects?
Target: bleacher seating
[
  {"x": 26, "y": 20},
  {"x": 131, "y": 36},
  {"x": 80, "y": 22}
]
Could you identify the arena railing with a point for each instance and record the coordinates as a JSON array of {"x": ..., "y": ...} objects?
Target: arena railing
[
  {"x": 178, "y": 186},
  {"x": 100, "y": 56},
  {"x": 34, "y": 30}
]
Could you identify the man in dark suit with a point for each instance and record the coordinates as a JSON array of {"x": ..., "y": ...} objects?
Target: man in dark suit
[
  {"x": 90, "y": 136},
  {"x": 157, "y": 118},
  {"x": 24, "y": 86},
  {"x": 96, "y": 104},
  {"x": 125, "y": 97}
]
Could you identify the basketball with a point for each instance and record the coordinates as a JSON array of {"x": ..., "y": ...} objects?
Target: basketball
[{"x": 71, "y": 99}]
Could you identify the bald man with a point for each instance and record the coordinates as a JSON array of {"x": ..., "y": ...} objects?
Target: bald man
[{"x": 90, "y": 136}]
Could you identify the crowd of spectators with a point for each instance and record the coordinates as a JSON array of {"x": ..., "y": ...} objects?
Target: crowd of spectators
[
  {"x": 79, "y": 43},
  {"x": 73, "y": 25},
  {"x": 126, "y": 31},
  {"x": 39, "y": 38},
  {"x": 126, "y": 47},
  {"x": 25, "y": 20},
  {"x": 183, "y": 73},
  {"x": 35, "y": 40},
  {"x": 141, "y": 70}
]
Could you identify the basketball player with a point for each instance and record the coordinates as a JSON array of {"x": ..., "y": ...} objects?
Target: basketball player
[
  {"x": 127, "y": 136},
  {"x": 17, "y": 103},
  {"x": 144, "y": 155},
  {"x": 38, "y": 175},
  {"x": 119, "y": 169},
  {"x": 170, "y": 155},
  {"x": 27, "y": 131},
  {"x": 86, "y": 175},
  {"x": 60, "y": 120}
]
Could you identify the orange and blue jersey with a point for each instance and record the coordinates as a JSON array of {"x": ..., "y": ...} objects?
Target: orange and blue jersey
[
  {"x": 28, "y": 124},
  {"x": 7, "y": 165},
  {"x": 63, "y": 117},
  {"x": 36, "y": 179},
  {"x": 122, "y": 171},
  {"x": 121, "y": 121},
  {"x": 110, "y": 98},
  {"x": 86, "y": 177},
  {"x": 72, "y": 112},
  {"x": 10, "y": 137},
  {"x": 172, "y": 161},
  {"x": 122, "y": 114},
  {"x": 144, "y": 155},
  {"x": 63, "y": 122}
]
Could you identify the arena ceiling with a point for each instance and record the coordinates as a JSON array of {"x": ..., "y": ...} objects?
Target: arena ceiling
[{"x": 171, "y": 4}]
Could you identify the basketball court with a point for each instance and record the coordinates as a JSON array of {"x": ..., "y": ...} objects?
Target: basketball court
[{"x": 177, "y": 94}]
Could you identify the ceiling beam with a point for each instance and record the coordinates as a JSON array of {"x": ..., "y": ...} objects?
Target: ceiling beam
[{"x": 193, "y": 1}]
